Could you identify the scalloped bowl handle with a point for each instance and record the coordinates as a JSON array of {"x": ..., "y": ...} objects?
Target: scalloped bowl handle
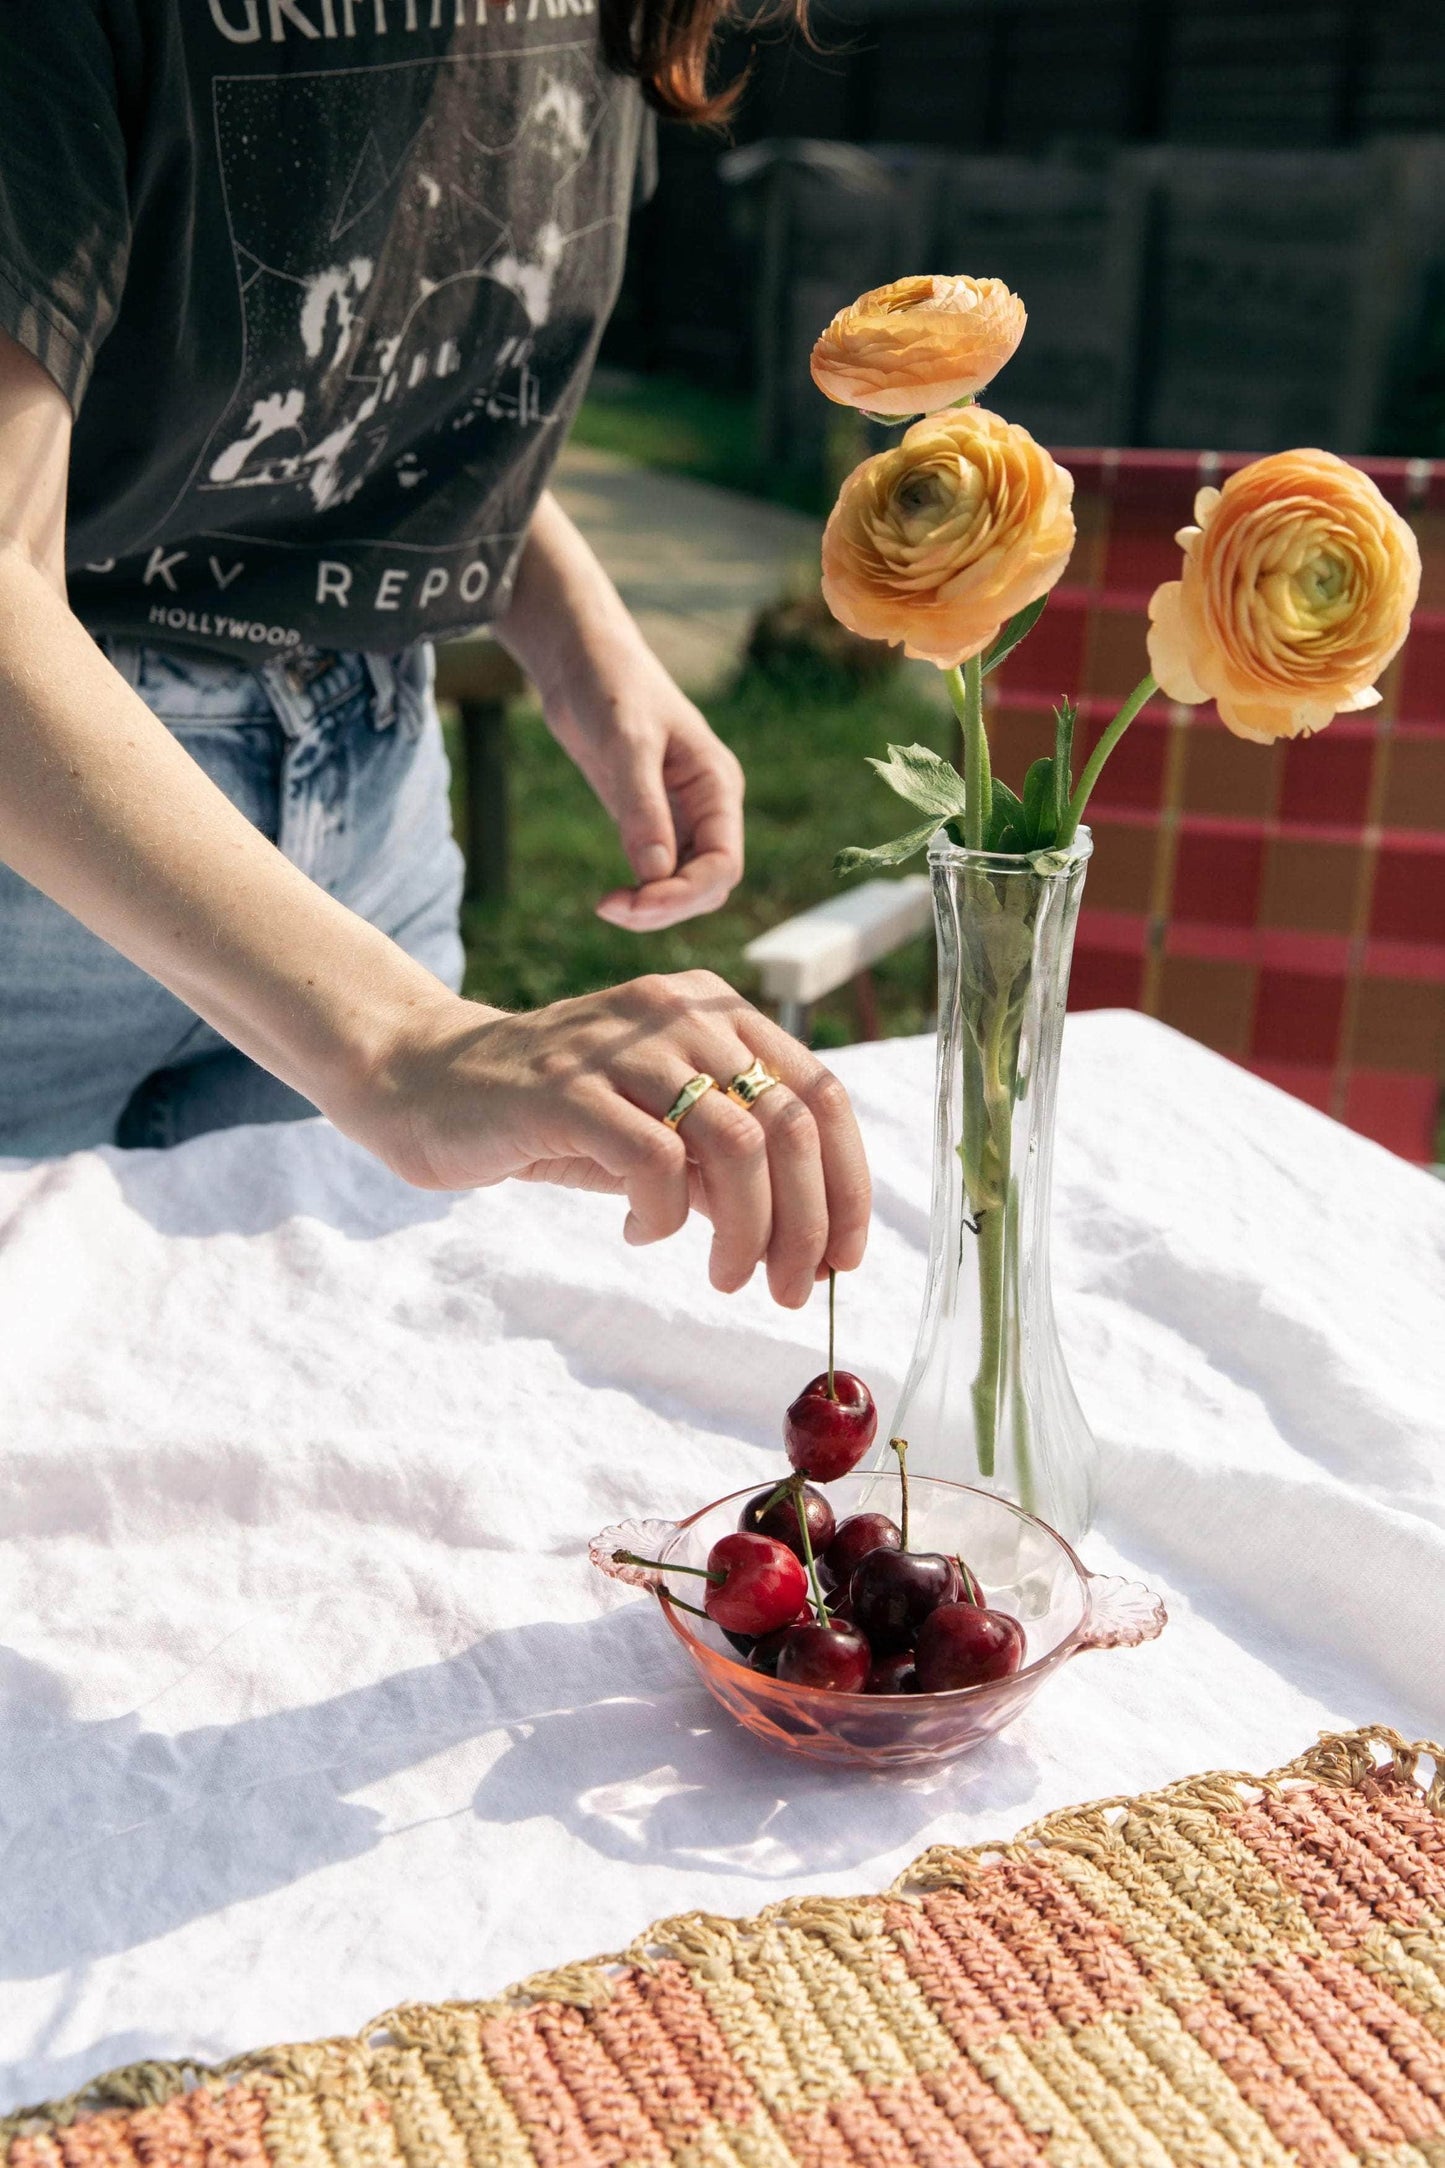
[{"x": 1121, "y": 1614}]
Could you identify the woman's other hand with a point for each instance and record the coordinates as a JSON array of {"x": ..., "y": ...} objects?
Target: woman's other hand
[{"x": 672, "y": 787}]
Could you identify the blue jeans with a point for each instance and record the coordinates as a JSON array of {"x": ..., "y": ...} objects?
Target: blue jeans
[{"x": 339, "y": 760}]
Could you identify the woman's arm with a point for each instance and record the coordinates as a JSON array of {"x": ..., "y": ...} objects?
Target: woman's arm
[
  {"x": 673, "y": 788},
  {"x": 104, "y": 811}
]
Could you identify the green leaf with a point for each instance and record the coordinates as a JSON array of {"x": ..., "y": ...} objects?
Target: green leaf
[
  {"x": 1039, "y": 819},
  {"x": 1018, "y": 628},
  {"x": 887, "y": 854},
  {"x": 918, "y": 774},
  {"x": 1006, "y": 820}
]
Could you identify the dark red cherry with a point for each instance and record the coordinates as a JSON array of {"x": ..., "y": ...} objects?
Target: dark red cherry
[
  {"x": 780, "y": 1521},
  {"x": 840, "y": 1605},
  {"x": 893, "y": 1592},
  {"x": 828, "y": 1433},
  {"x": 893, "y": 1674},
  {"x": 961, "y": 1645},
  {"x": 854, "y": 1539},
  {"x": 765, "y": 1650},
  {"x": 762, "y": 1584},
  {"x": 834, "y": 1657}
]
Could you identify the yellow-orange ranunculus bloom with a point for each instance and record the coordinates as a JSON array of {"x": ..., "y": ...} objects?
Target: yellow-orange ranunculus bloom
[
  {"x": 918, "y": 345},
  {"x": 1297, "y": 589},
  {"x": 938, "y": 542}
]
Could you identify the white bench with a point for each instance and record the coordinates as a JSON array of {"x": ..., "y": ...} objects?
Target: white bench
[{"x": 822, "y": 949}]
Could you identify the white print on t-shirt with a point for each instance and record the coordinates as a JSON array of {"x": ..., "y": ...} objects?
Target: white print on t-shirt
[
  {"x": 246, "y": 22},
  {"x": 467, "y": 202}
]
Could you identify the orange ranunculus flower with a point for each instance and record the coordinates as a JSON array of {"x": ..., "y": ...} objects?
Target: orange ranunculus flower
[
  {"x": 1297, "y": 590},
  {"x": 940, "y": 541},
  {"x": 918, "y": 345}
]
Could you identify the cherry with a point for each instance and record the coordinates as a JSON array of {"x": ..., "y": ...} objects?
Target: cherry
[
  {"x": 893, "y": 1674},
  {"x": 769, "y": 1514},
  {"x": 840, "y": 1605},
  {"x": 893, "y": 1592},
  {"x": 765, "y": 1650},
  {"x": 835, "y": 1657},
  {"x": 853, "y": 1540},
  {"x": 961, "y": 1645},
  {"x": 827, "y": 1432},
  {"x": 761, "y": 1584}
]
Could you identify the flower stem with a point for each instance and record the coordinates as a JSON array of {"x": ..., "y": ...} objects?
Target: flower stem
[
  {"x": 965, "y": 690},
  {"x": 1094, "y": 767},
  {"x": 991, "y": 1255},
  {"x": 832, "y": 1323},
  {"x": 819, "y": 1606}
]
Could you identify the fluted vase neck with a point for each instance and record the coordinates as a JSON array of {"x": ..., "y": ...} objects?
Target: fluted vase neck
[{"x": 988, "y": 1398}]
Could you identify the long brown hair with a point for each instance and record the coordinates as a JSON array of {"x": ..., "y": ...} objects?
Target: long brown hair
[{"x": 666, "y": 45}]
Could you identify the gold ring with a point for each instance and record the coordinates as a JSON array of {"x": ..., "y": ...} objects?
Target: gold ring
[
  {"x": 697, "y": 1087},
  {"x": 748, "y": 1088}
]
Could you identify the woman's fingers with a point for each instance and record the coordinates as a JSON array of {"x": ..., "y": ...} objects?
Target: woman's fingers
[
  {"x": 799, "y": 1237},
  {"x": 731, "y": 1156},
  {"x": 642, "y": 1156},
  {"x": 844, "y": 1163}
]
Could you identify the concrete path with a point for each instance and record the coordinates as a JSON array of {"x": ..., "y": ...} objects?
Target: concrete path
[{"x": 693, "y": 563}]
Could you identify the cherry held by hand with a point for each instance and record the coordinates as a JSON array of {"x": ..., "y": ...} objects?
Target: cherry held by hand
[
  {"x": 827, "y": 1434},
  {"x": 763, "y": 1586}
]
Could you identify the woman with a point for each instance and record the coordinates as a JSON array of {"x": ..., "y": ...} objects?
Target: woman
[{"x": 297, "y": 300}]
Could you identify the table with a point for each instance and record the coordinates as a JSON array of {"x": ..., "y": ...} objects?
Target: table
[{"x": 308, "y": 1701}]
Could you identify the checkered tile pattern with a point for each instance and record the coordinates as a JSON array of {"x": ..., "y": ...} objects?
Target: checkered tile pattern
[{"x": 1284, "y": 904}]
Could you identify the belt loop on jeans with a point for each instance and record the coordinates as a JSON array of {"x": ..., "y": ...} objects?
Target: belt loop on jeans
[{"x": 383, "y": 679}]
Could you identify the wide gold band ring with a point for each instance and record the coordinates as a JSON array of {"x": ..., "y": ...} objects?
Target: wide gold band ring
[
  {"x": 748, "y": 1087},
  {"x": 697, "y": 1087}
]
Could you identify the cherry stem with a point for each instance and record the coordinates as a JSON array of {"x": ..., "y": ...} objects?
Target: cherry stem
[
  {"x": 784, "y": 1490},
  {"x": 832, "y": 1323},
  {"x": 972, "y": 1593},
  {"x": 678, "y": 1604},
  {"x": 631, "y": 1558},
  {"x": 819, "y": 1606},
  {"x": 900, "y": 1447}
]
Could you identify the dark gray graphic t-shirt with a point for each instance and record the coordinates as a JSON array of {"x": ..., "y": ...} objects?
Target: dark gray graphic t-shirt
[{"x": 323, "y": 280}]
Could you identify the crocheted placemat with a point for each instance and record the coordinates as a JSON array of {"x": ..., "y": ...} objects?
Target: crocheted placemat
[{"x": 1234, "y": 1970}]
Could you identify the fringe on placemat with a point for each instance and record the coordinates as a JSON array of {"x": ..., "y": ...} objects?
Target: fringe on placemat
[{"x": 922, "y": 2009}]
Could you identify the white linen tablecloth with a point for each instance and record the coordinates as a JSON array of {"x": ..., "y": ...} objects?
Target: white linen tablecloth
[{"x": 309, "y": 1702}]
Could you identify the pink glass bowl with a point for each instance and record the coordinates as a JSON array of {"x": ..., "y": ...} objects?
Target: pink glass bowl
[{"x": 1024, "y": 1568}]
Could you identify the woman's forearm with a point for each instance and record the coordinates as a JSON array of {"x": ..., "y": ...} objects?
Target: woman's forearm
[
  {"x": 108, "y": 815},
  {"x": 565, "y": 617}
]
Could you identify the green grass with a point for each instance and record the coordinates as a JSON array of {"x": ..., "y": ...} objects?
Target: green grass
[{"x": 801, "y": 738}]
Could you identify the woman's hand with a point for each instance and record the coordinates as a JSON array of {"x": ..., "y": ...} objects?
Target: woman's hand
[
  {"x": 575, "y": 1094},
  {"x": 672, "y": 787},
  {"x": 674, "y": 790}
]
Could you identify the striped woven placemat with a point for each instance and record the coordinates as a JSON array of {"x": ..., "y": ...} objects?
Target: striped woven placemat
[{"x": 1235, "y": 1970}]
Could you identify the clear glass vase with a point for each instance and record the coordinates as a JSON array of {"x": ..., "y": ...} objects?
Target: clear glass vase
[{"x": 988, "y": 1398}]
